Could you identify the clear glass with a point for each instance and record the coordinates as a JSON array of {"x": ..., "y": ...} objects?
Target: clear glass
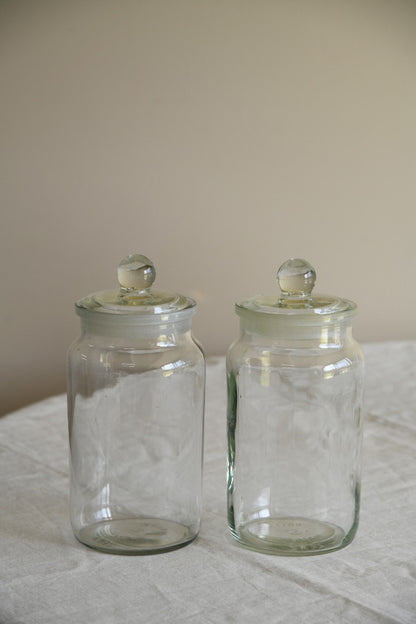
[
  {"x": 294, "y": 441},
  {"x": 135, "y": 410}
]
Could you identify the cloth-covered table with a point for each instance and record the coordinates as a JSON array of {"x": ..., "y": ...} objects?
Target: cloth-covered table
[{"x": 47, "y": 577}]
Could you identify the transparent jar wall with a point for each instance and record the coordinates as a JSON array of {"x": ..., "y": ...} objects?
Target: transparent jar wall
[
  {"x": 294, "y": 441},
  {"x": 136, "y": 437}
]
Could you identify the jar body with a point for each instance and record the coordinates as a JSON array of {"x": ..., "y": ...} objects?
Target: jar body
[
  {"x": 294, "y": 442},
  {"x": 135, "y": 410}
]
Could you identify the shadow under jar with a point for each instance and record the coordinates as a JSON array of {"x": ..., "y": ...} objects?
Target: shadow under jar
[
  {"x": 295, "y": 380},
  {"x": 136, "y": 381}
]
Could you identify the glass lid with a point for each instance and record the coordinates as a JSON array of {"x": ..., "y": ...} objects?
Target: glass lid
[
  {"x": 296, "y": 279},
  {"x": 136, "y": 274}
]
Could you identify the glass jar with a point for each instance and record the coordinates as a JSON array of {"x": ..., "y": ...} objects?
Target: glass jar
[
  {"x": 135, "y": 408},
  {"x": 295, "y": 382}
]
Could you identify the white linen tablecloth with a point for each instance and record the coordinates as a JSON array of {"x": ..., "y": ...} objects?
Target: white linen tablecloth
[{"x": 47, "y": 577}]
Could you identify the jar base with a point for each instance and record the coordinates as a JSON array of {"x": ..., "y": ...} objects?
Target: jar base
[
  {"x": 135, "y": 536},
  {"x": 291, "y": 536}
]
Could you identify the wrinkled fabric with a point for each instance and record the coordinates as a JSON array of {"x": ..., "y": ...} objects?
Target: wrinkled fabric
[{"x": 47, "y": 577}]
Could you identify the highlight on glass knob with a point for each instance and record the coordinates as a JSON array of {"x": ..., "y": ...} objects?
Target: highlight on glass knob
[
  {"x": 296, "y": 278},
  {"x": 136, "y": 273}
]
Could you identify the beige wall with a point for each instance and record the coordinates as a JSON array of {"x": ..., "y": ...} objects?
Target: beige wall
[{"x": 218, "y": 137}]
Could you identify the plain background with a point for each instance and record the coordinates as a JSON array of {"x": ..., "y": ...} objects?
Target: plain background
[{"x": 218, "y": 137}]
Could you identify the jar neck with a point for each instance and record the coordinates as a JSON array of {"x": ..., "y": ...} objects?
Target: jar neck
[
  {"x": 327, "y": 335},
  {"x": 163, "y": 334}
]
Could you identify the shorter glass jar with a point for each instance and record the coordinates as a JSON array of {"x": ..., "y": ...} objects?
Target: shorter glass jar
[
  {"x": 295, "y": 379},
  {"x": 135, "y": 409}
]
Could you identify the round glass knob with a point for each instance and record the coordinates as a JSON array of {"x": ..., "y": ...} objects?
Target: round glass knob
[
  {"x": 136, "y": 273},
  {"x": 296, "y": 278}
]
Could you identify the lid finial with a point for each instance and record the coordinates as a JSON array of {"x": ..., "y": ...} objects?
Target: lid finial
[
  {"x": 296, "y": 279},
  {"x": 136, "y": 273}
]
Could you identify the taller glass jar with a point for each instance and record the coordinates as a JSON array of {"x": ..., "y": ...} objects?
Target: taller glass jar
[
  {"x": 136, "y": 382},
  {"x": 295, "y": 379}
]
